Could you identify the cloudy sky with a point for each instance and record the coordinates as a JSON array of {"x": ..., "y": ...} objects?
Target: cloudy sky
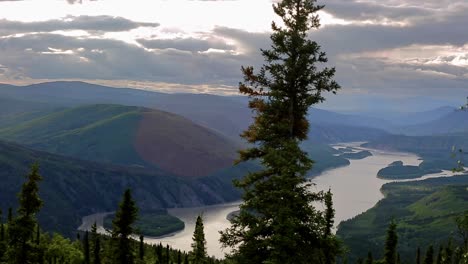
[{"x": 393, "y": 48}]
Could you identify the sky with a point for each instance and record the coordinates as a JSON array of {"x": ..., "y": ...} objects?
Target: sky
[{"x": 391, "y": 49}]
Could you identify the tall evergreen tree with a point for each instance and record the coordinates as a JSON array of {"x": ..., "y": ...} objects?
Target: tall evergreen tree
[
  {"x": 429, "y": 259},
  {"x": 418, "y": 256},
  {"x": 168, "y": 256},
  {"x": 86, "y": 251},
  {"x": 22, "y": 249},
  {"x": 159, "y": 253},
  {"x": 2, "y": 228},
  {"x": 10, "y": 215},
  {"x": 370, "y": 259},
  {"x": 3, "y": 246},
  {"x": 141, "y": 250},
  {"x": 440, "y": 255},
  {"x": 331, "y": 244},
  {"x": 277, "y": 216},
  {"x": 462, "y": 225},
  {"x": 122, "y": 229},
  {"x": 390, "y": 254},
  {"x": 199, "y": 254},
  {"x": 96, "y": 244}
]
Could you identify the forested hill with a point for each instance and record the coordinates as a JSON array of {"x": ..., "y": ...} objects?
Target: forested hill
[
  {"x": 421, "y": 144},
  {"x": 74, "y": 188},
  {"x": 130, "y": 136}
]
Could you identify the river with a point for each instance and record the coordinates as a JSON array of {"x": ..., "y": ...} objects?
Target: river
[{"x": 355, "y": 188}]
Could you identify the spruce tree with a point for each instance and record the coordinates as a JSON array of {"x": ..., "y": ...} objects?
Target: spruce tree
[
  {"x": 141, "y": 250},
  {"x": 390, "y": 254},
  {"x": 10, "y": 215},
  {"x": 370, "y": 259},
  {"x": 331, "y": 245},
  {"x": 168, "y": 257},
  {"x": 439, "y": 255},
  {"x": 96, "y": 244},
  {"x": 418, "y": 256},
  {"x": 122, "y": 229},
  {"x": 86, "y": 251},
  {"x": 199, "y": 254},
  {"x": 3, "y": 245},
  {"x": 22, "y": 248},
  {"x": 277, "y": 222},
  {"x": 2, "y": 228},
  {"x": 429, "y": 259},
  {"x": 159, "y": 253}
]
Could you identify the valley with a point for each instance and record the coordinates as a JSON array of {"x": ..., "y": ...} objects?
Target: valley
[{"x": 90, "y": 149}]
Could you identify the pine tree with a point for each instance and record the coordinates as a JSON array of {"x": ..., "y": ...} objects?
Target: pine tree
[
  {"x": 277, "y": 216},
  {"x": 390, "y": 254},
  {"x": 141, "y": 250},
  {"x": 418, "y": 256},
  {"x": 439, "y": 255},
  {"x": 96, "y": 244},
  {"x": 370, "y": 259},
  {"x": 10, "y": 215},
  {"x": 462, "y": 225},
  {"x": 199, "y": 254},
  {"x": 448, "y": 252},
  {"x": 429, "y": 259},
  {"x": 22, "y": 248},
  {"x": 331, "y": 245},
  {"x": 3, "y": 246},
  {"x": 122, "y": 229},
  {"x": 159, "y": 255},
  {"x": 87, "y": 258},
  {"x": 168, "y": 257},
  {"x": 2, "y": 228}
]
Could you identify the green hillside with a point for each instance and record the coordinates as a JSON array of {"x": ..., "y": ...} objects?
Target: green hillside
[
  {"x": 425, "y": 212},
  {"x": 14, "y": 111},
  {"x": 125, "y": 135},
  {"x": 73, "y": 188}
]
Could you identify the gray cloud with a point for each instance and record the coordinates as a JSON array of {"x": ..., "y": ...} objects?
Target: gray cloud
[
  {"x": 43, "y": 56},
  {"x": 358, "y": 50},
  {"x": 186, "y": 44},
  {"x": 77, "y": 1},
  {"x": 87, "y": 23}
]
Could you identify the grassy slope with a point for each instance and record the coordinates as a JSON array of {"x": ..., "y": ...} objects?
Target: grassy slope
[
  {"x": 74, "y": 188},
  {"x": 132, "y": 136},
  {"x": 424, "y": 211}
]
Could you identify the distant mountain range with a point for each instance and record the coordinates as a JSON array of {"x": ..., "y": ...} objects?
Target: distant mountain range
[
  {"x": 220, "y": 113},
  {"x": 452, "y": 122}
]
